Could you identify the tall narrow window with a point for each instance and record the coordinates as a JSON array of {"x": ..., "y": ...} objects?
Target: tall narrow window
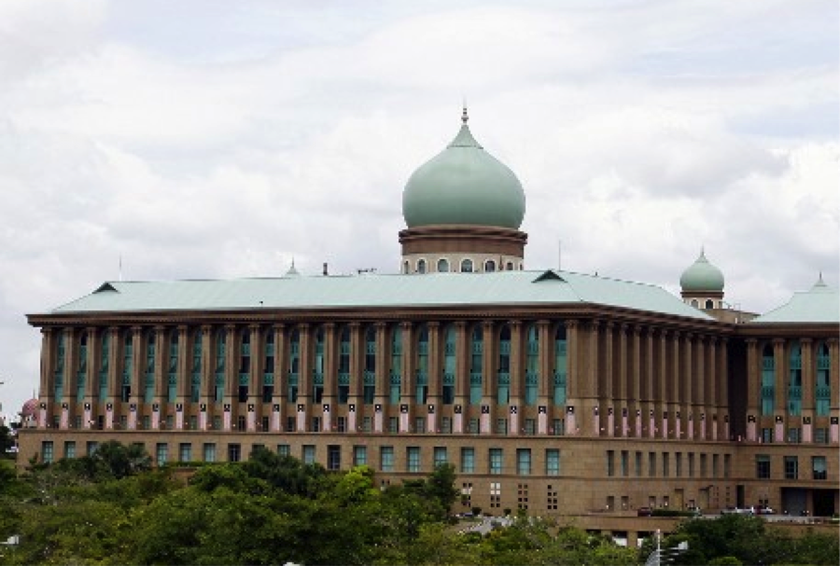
[
  {"x": 422, "y": 380},
  {"x": 532, "y": 366},
  {"x": 127, "y": 363},
  {"x": 244, "y": 375},
  {"x": 448, "y": 392},
  {"x": 768, "y": 380},
  {"x": 104, "y": 363},
  {"x": 268, "y": 370},
  {"x": 344, "y": 365},
  {"x": 795, "y": 380},
  {"x": 818, "y": 467},
  {"x": 60, "y": 359},
  {"x": 823, "y": 391},
  {"x": 496, "y": 461},
  {"x": 396, "y": 366},
  {"x": 221, "y": 347},
  {"x": 318, "y": 367},
  {"x": 467, "y": 460},
  {"x": 440, "y": 456},
  {"x": 195, "y": 379},
  {"x": 560, "y": 365},
  {"x": 149, "y": 381},
  {"x": 791, "y": 467},
  {"x": 369, "y": 390},
  {"x": 421, "y": 266},
  {"x": 552, "y": 462},
  {"x": 172, "y": 372},
  {"x": 294, "y": 366},
  {"x": 523, "y": 461},
  {"x": 386, "y": 458},
  {"x": 762, "y": 466},
  {"x": 503, "y": 385},
  {"x": 81, "y": 374},
  {"x": 413, "y": 459},
  {"x": 476, "y": 359}
]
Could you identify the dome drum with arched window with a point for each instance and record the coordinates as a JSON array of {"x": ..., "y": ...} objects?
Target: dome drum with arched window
[{"x": 462, "y": 204}]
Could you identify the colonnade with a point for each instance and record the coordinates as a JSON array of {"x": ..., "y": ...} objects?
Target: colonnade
[{"x": 559, "y": 376}]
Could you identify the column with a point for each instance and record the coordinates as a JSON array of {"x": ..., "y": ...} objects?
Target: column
[
  {"x": 664, "y": 385},
  {"x": 576, "y": 377},
  {"x": 281, "y": 378},
  {"x": 489, "y": 377},
  {"x": 780, "y": 361},
  {"x": 463, "y": 354},
  {"x": 256, "y": 377},
  {"x": 409, "y": 361},
  {"x": 161, "y": 375}
]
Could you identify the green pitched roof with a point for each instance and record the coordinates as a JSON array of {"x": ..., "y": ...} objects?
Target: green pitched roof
[
  {"x": 820, "y": 304},
  {"x": 373, "y": 290}
]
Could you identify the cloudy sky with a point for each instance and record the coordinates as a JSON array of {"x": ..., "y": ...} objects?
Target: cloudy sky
[{"x": 213, "y": 139}]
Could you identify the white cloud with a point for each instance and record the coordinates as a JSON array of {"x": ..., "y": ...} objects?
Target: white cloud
[{"x": 261, "y": 133}]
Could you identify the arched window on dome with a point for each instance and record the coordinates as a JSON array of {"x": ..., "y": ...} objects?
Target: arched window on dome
[
  {"x": 509, "y": 266},
  {"x": 695, "y": 304},
  {"x": 710, "y": 304},
  {"x": 489, "y": 266},
  {"x": 406, "y": 267},
  {"x": 466, "y": 266},
  {"x": 421, "y": 266},
  {"x": 443, "y": 265}
]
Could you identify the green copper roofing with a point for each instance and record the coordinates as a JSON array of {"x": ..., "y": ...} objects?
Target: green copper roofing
[
  {"x": 702, "y": 276},
  {"x": 821, "y": 304},
  {"x": 464, "y": 184},
  {"x": 373, "y": 290}
]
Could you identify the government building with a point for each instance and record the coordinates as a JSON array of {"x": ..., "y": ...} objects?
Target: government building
[{"x": 561, "y": 393}]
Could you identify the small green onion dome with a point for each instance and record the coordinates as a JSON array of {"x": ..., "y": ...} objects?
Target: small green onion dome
[
  {"x": 464, "y": 184},
  {"x": 702, "y": 276}
]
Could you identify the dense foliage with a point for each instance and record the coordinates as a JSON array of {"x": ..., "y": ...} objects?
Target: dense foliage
[{"x": 113, "y": 508}]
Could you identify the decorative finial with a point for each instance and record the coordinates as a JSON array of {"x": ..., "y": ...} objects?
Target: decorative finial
[{"x": 464, "y": 116}]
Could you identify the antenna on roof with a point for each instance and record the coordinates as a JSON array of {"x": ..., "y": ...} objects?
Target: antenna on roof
[
  {"x": 120, "y": 272},
  {"x": 559, "y": 255}
]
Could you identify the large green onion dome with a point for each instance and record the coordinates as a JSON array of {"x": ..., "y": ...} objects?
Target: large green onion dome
[
  {"x": 464, "y": 184},
  {"x": 702, "y": 276}
]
